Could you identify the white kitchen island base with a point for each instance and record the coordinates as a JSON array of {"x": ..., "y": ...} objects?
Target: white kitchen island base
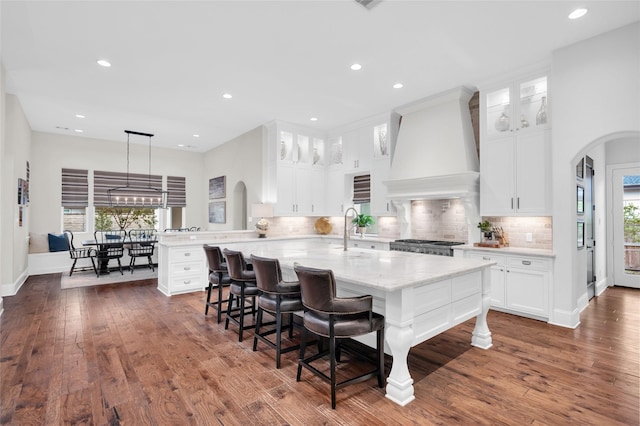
[
  {"x": 416, "y": 314},
  {"x": 419, "y": 295}
]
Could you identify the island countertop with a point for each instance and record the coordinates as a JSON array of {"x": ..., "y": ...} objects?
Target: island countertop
[{"x": 381, "y": 269}]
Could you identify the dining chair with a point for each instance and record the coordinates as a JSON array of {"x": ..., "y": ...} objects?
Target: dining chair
[
  {"x": 141, "y": 243},
  {"x": 337, "y": 319},
  {"x": 110, "y": 246},
  {"x": 79, "y": 253}
]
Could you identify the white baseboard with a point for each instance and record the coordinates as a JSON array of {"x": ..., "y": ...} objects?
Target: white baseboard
[
  {"x": 562, "y": 318},
  {"x": 12, "y": 288}
]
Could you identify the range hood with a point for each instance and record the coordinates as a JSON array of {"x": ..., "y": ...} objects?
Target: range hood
[{"x": 435, "y": 156}]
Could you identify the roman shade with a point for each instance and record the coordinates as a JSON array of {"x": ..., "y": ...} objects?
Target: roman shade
[
  {"x": 75, "y": 188},
  {"x": 135, "y": 188},
  {"x": 177, "y": 191},
  {"x": 362, "y": 189}
]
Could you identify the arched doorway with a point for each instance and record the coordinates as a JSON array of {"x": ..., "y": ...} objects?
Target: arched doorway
[
  {"x": 618, "y": 156},
  {"x": 240, "y": 206}
]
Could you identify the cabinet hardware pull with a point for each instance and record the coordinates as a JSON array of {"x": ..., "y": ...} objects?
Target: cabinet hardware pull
[
  {"x": 486, "y": 258},
  {"x": 518, "y": 203},
  {"x": 526, "y": 262},
  {"x": 187, "y": 254},
  {"x": 512, "y": 203},
  {"x": 187, "y": 268},
  {"x": 373, "y": 247},
  {"x": 187, "y": 281}
]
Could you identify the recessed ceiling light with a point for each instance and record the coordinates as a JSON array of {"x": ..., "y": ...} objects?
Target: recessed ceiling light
[
  {"x": 314, "y": 119},
  {"x": 104, "y": 63},
  {"x": 79, "y": 130},
  {"x": 227, "y": 96},
  {"x": 79, "y": 116},
  {"x": 578, "y": 13},
  {"x": 398, "y": 86},
  {"x": 196, "y": 136},
  {"x": 180, "y": 145},
  {"x": 356, "y": 67}
]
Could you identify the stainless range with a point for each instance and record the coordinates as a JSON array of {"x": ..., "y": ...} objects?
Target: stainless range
[{"x": 441, "y": 248}]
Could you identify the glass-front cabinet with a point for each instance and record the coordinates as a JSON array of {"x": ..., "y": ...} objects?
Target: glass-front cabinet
[
  {"x": 297, "y": 179},
  {"x": 519, "y": 106},
  {"x": 515, "y": 148}
]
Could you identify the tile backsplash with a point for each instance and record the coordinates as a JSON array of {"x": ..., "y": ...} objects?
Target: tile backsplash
[
  {"x": 517, "y": 228},
  {"x": 439, "y": 220},
  {"x": 432, "y": 220}
]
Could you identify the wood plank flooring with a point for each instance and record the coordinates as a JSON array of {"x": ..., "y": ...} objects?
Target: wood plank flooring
[{"x": 125, "y": 354}]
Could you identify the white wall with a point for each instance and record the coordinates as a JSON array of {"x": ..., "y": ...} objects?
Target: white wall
[
  {"x": 52, "y": 152},
  {"x": 14, "y": 241},
  {"x": 595, "y": 97},
  {"x": 2, "y": 167},
  {"x": 240, "y": 160}
]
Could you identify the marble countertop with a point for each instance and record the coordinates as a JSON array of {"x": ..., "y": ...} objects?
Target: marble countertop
[
  {"x": 509, "y": 250},
  {"x": 381, "y": 269}
]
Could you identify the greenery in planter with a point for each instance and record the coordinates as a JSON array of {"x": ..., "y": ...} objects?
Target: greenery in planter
[
  {"x": 485, "y": 226},
  {"x": 124, "y": 218},
  {"x": 363, "y": 220}
]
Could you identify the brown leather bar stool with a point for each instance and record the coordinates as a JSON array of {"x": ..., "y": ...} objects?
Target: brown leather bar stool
[
  {"x": 243, "y": 286},
  {"x": 277, "y": 297},
  {"x": 337, "y": 319},
  {"x": 218, "y": 278}
]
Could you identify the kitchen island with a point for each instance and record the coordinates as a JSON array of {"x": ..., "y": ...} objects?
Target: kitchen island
[{"x": 419, "y": 295}]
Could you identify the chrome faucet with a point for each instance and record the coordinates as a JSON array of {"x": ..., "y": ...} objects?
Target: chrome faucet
[{"x": 346, "y": 232}]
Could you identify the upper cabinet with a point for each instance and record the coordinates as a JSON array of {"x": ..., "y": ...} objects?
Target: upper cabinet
[
  {"x": 518, "y": 106},
  {"x": 296, "y": 172},
  {"x": 515, "y": 149}
]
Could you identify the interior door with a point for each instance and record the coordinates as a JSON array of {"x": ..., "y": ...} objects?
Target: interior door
[
  {"x": 626, "y": 227},
  {"x": 589, "y": 227}
]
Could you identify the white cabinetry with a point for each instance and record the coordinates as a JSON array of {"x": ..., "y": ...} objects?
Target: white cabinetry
[
  {"x": 358, "y": 152},
  {"x": 300, "y": 173},
  {"x": 515, "y": 149},
  {"x": 519, "y": 284},
  {"x": 363, "y": 243},
  {"x": 181, "y": 269}
]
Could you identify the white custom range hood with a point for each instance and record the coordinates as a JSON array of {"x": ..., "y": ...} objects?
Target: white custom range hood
[{"x": 435, "y": 156}]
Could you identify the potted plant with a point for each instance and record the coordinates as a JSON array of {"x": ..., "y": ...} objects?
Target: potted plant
[
  {"x": 362, "y": 221},
  {"x": 485, "y": 228}
]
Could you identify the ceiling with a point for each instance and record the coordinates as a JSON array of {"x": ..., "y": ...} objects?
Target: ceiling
[{"x": 287, "y": 60}]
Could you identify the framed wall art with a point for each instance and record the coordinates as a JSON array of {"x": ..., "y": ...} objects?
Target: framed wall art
[
  {"x": 217, "y": 187},
  {"x": 217, "y": 212},
  {"x": 579, "y": 199}
]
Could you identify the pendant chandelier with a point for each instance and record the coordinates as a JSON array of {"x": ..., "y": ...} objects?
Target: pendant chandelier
[{"x": 136, "y": 194}]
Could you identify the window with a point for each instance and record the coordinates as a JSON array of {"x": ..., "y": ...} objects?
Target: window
[
  {"x": 74, "y": 199},
  {"x": 74, "y": 220},
  {"x": 125, "y": 218}
]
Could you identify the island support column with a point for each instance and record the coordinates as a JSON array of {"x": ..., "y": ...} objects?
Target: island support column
[
  {"x": 399, "y": 336},
  {"x": 481, "y": 336}
]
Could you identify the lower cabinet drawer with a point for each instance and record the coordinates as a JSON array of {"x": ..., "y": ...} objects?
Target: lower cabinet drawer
[
  {"x": 186, "y": 283},
  {"x": 187, "y": 254},
  {"x": 182, "y": 268},
  {"x": 528, "y": 263}
]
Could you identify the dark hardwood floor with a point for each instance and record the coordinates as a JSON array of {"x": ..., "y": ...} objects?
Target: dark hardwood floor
[{"x": 127, "y": 355}]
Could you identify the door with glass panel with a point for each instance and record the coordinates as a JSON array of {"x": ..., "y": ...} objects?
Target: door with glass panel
[{"x": 626, "y": 226}]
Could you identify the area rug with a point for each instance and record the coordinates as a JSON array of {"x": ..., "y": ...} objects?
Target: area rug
[{"x": 88, "y": 278}]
